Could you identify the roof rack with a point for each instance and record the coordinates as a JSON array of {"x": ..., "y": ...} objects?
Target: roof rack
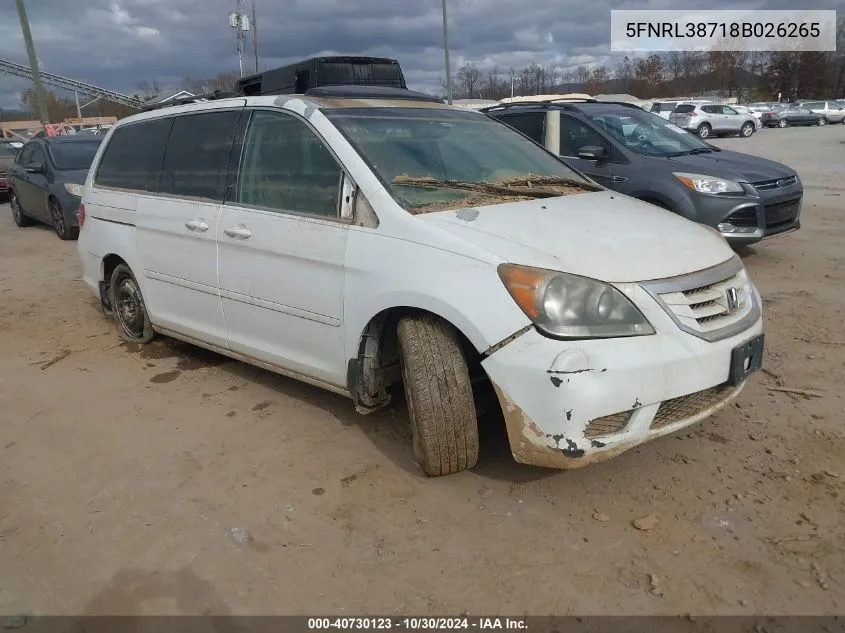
[
  {"x": 211, "y": 96},
  {"x": 369, "y": 92},
  {"x": 565, "y": 104}
]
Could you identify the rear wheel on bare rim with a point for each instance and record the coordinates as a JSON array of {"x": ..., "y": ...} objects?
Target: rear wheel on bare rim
[
  {"x": 21, "y": 220},
  {"x": 128, "y": 308}
]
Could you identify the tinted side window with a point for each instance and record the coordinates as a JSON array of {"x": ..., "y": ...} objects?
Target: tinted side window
[
  {"x": 529, "y": 123},
  {"x": 683, "y": 109},
  {"x": 25, "y": 156},
  {"x": 832, "y": 105},
  {"x": 728, "y": 110},
  {"x": 575, "y": 135},
  {"x": 711, "y": 109},
  {"x": 38, "y": 155},
  {"x": 197, "y": 155},
  {"x": 286, "y": 167},
  {"x": 132, "y": 159}
]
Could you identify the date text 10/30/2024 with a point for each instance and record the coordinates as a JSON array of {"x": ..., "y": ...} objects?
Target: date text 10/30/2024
[{"x": 417, "y": 624}]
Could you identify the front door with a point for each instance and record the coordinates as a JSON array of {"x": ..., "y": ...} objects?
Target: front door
[
  {"x": 281, "y": 251},
  {"x": 574, "y": 135}
]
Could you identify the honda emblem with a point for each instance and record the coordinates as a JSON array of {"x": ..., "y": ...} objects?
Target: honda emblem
[{"x": 732, "y": 299}]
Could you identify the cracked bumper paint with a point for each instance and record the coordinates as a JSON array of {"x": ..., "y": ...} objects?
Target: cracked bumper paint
[{"x": 551, "y": 390}]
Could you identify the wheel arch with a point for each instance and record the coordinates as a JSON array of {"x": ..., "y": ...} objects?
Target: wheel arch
[{"x": 374, "y": 369}]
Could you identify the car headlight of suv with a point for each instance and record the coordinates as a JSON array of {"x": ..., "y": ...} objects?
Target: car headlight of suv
[
  {"x": 570, "y": 306},
  {"x": 708, "y": 184}
]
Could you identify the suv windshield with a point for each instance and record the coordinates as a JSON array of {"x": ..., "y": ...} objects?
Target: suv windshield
[
  {"x": 647, "y": 133},
  {"x": 7, "y": 150},
  {"x": 75, "y": 155},
  {"x": 434, "y": 159}
]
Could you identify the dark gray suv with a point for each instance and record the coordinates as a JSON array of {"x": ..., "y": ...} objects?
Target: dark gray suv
[{"x": 634, "y": 152}]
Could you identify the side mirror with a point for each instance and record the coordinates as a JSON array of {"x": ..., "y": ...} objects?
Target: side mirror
[
  {"x": 34, "y": 168},
  {"x": 592, "y": 152}
]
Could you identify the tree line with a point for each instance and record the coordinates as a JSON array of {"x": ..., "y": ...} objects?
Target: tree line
[{"x": 748, "y": 76}]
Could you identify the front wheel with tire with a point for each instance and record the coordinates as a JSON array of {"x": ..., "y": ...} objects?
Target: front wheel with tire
[
  {"x": 21, "y": 220},
  {"x": 747, "y": 130},
  {"x": 439, "y": 394},
  {"x": 60, "y": 225},
  {"x": 128, "y": 309},
  {"x": 704, "y": 131},
  {"x": 783, "y": 123}
]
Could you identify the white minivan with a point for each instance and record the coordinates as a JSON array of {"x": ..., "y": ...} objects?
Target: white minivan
[{"x": 363, "y": 239}]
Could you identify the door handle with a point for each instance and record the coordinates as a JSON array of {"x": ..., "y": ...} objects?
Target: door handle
[
  {"x": 238, "y": 232},
  {"x": 618, "y": 179},
  {"x": 197, "y": 225}
]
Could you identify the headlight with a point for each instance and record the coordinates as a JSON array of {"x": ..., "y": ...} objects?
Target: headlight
[
  {"x": 568, "y": 306},
  {"x": 708, "y": 184},
  {"x": 74, "y": 190}
]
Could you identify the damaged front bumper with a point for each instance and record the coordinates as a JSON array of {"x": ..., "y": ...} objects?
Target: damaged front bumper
[{"x": 568, "y": 404}]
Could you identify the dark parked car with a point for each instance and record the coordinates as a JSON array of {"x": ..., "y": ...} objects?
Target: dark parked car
[
  {"x": 634, "y": 152},
  {"x": 795, "y": 114},
  {"x": 46, "y": 181},
  {"x": 8, "y": 150}
]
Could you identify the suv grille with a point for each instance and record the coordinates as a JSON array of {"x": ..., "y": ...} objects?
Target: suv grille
[
  {"x": 685, "y": 407},
  {"x": 711, "y": 304},
  {"x": 763, "y": 185}
]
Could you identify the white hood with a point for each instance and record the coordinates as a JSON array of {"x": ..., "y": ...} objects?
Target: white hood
[{"x": 603, "y": 235}]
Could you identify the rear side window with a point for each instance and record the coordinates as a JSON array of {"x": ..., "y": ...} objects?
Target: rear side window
[
  {"x": 197, "y": 156},
  {"x": 709, "y": 109},
  {"x": 132, "y": 159},
  {"x": 814, "y": 105},
  {"x": 529, "y": 123},
  {"x": 684, "y": 109}
]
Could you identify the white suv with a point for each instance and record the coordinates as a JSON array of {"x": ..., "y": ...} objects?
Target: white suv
[{"x": 360, "y": 240}]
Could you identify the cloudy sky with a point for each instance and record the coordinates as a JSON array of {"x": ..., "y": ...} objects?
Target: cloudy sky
[{"x": 118, "y": 43}]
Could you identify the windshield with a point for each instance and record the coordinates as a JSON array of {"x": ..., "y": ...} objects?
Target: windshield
[
  {"x": 75, "y": 155},
  {"x": 648, "y": 134},
  {"x": 434, "y": 159},
  {"x": 7, "y": 150}
]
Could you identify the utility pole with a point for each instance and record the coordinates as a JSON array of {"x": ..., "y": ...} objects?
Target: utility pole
[
  {"x": 254, "y": 36},
  {"x": 240, "y": 22},
  {"x": 33, "y": 64},
  {"x": 446, "y": 54}
]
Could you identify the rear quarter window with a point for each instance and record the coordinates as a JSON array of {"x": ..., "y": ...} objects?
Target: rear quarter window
[
  {"x": 529, "y": 123},
  {"x": 684, "y": 109},
  {"x": 133, "y": 157}
]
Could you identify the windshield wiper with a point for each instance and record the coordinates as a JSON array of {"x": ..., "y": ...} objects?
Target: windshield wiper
[
  {"x": 689, "y": 152},
  {"x": 523, "y": 186}
]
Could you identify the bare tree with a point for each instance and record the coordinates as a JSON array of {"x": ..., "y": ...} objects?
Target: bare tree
[
  {"x": 469, "y": 81},
  {"x": 597, "y": 83},
  {"x": 624, "y": 74},
  {"x": 582, "y": 76},
  {"x": 148, "y": 90}
]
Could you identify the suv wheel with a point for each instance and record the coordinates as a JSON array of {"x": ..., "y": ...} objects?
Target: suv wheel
[
  {"x": 822, "y": 121},
  {"x": 128, "y": 309},
  {"x": 703, "y": 130},
  {"x": 747, "y": 130},
  {"x": 21, "y": 220},
  {"x": 438, "y": 390},
  {"x": 783, "y": 123}
]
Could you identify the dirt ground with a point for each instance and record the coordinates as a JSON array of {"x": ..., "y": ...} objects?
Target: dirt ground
[{"x": 173, "y": 480}]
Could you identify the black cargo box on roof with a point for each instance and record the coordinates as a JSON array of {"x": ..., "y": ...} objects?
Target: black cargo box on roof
[{"x": 324, "y": 71}]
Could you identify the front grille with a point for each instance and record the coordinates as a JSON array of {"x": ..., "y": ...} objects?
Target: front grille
[
  {"x": 744, "y": 217},
  {"x": 685, "y": 407},
  {"x": 782, "y": 215},
  {"x": 608, "y": 425},
  {"x": 711, "y": 304},
  {"x": 776, "y": 183}
]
